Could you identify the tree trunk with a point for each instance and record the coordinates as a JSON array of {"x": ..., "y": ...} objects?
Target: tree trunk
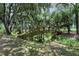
[
  {"x": 76, "y": 17},
  {"x": 68, "y": 27},
  {"x": 7, "y": 19},
  {"x": 7, "y": 30}
]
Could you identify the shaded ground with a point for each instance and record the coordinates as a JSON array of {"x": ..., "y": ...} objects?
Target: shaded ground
[
  {"x": 71, "y": 35},
  {"x": 22, "y": 47}
]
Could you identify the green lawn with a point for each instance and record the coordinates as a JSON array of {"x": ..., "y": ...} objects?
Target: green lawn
[
  {"x": 68, "y": 40},
  {"x": 65, "y": 30}
]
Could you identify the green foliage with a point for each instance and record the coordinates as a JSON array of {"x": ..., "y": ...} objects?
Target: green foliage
[
  {"x": 32, "y": 26},
  {"x": 1, "y": 10},
  {"x": 2, "y": 29},
  {"x": 68, "y": 41}
]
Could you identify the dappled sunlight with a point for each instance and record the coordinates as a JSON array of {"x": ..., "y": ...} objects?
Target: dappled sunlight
[
  {"x": 13, "y": 47},
  {"x": 39, "y": 29}
]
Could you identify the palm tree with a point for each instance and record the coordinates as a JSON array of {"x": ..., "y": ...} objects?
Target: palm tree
[
  {"x": 75, "y": 10},
  {"x": 66, "y": 12}
]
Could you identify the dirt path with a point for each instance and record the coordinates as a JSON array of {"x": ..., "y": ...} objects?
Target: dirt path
[{"x": 14, "y": 47}]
